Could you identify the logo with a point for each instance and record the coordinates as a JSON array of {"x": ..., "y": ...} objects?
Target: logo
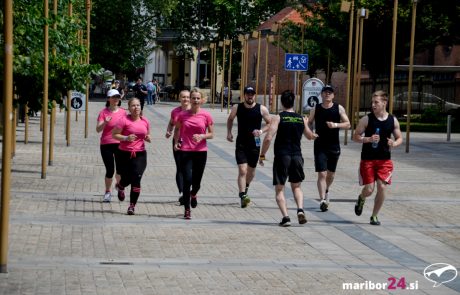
[{"x": 440, "y": 273}]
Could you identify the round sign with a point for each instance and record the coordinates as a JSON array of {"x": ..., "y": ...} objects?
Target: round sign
[{"x": 311, "y": 93}]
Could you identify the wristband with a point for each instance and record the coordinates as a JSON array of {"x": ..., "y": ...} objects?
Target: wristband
[
  {"x": 262, "y": 157},
  {"x": 336, "y": 125},
  {"x": 125, "y": 138}
]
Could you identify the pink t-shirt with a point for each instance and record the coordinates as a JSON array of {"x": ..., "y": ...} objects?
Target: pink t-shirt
[
  {"x": 174, "y": 113},
  {"x": 193, "y": 124},
  {"x": 106, "y": 136},
  {"x": 139, "y": 127}
]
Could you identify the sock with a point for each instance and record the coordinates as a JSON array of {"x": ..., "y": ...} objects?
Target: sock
[
  {"x": 299, "y": 210},
  {"x": 242, "y": 194}
]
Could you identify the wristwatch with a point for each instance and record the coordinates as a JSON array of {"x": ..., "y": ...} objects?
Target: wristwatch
[{"x": 262, "y": 157}]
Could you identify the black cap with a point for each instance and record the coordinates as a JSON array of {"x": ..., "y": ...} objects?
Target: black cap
[
  {"x": 327, "y": 88},
  {"x": 249, "y": 89}
]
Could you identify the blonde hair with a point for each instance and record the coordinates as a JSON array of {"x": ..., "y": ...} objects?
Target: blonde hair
[
  {"x": 382, "y": 94},
  {"x": 204, "y": 98}
]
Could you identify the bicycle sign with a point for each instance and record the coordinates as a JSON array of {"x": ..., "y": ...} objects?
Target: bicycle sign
[{"x": 296, "y": 62}]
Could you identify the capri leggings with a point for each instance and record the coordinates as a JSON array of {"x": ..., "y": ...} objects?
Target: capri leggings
[
  {"x": 109, "y": 157},
  {"x": 132, "y": 166},
  {"x": 192, "y": 166}
]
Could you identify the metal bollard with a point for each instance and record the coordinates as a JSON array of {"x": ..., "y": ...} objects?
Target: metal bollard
[{"x": 449, "y": 121}]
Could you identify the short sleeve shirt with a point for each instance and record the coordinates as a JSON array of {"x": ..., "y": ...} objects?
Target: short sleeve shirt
[
  {"x": 140, "y": 128},
  {"x": 194, "y": 124},
  {"x": 106, "y": 136}
]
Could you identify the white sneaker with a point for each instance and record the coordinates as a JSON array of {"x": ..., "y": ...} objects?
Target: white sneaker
[{"x": 107, "y": 197}]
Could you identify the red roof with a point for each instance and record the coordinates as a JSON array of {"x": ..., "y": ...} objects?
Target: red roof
[{"x": 285, "y": 15}]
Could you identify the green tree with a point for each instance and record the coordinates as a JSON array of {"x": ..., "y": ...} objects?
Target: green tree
[{"x": 28, "y": 62}]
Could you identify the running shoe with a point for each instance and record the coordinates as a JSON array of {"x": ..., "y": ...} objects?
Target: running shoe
[
  {"x": 131, "y": 209},
  {"x": 193, "y": 202},
  {"x": 374, "y": 220},
  {"x": 187, "y": 214},
  {"x": 286, "y": 221},
  {"x": 301, "y": 217},
  {"x": 107, "y": 197},
  {"x": 245, "y": 200},
  {"x": 359, "y": 205},
  {"x": 324, "y": 205},
  {"x": 120, "y": 193}
]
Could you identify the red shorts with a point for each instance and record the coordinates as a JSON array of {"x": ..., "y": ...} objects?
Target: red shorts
[{"x": 370, "y": 170}]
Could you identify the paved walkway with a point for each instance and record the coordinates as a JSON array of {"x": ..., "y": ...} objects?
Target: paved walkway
[{"x": 64, "y": 240}]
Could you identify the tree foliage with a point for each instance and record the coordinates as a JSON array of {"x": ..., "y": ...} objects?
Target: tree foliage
[{"x": 28, "y": 62}]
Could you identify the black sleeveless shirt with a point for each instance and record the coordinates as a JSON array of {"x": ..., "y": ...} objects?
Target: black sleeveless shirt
[
  {"x": 289, "y": 134},
  {"x": 382, "y": 152},
  {"x": 327, "y": 137},
  {"x": 249, "y": 119}
]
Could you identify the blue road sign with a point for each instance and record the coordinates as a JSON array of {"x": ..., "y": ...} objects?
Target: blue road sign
[{"x": 296, "y": 62}]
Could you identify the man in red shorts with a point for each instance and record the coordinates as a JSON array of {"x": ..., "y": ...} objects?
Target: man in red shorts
[{"x": 374, "y": 132}]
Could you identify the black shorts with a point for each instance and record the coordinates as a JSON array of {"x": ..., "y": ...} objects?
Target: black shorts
[
  {"x": 326, "y": 159},
  {"x": 245, "y": 155},
  {"x": 284, "y": 166}
]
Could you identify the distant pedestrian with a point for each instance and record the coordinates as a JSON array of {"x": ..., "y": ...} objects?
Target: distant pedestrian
[
  {"x": 120, "y": 89},
  {"x": 328, "y": 118},
  {"x": 107, "y": 119},
  {"x": 249, "y": 115},
  {"x": 184, "y": 97},
  {"x": 374, "y": 132},
  {"x": 140, "y": 91},
  {"x": 288, "y": 162},
  {"x": 132, "y": 130},
  {"x": 193, "y": 128},
  {"x": 150, "y": 87}
]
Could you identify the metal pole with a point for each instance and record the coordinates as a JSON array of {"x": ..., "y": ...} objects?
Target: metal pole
[
  {"x": 229, "y": 75},
  {"x": 266, "y": 70},
  {"x": 393, "y": 54},
  {"x": 350, "y": 70},
  {"x": 354, "y": 118},
  {"x": 7, "y": 137},
  {"x": 88, "y": 28},
  {"x": 411, "y": 68},
  {"x": 449, "y": 123},
  {"x": 258, "y": 63},
  {"x": 69, "y": 94},
  {"x": 222, "y": 77},
  {"x": 45, "y": 91},
  {"x": 53, "y": 104}
]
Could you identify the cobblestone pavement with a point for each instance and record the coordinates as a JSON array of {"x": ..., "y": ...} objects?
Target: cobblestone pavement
[{"x": 64, "y": 240}]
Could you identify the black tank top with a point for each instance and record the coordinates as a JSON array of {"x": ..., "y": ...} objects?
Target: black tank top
[
  {"x": 249, "y": 119},
  {"x": 289, "y": 134},
  {"x": 382, "y": 152},
  {"x": 327, "y": 137}
]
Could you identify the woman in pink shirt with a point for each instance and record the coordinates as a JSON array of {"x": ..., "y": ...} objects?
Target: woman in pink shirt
[
  {"x": 184, "y": 97},
  {"x": 106, "y": 121},
  {"x": 193, "y": 128},
  {"x": 132, "y": 130}
]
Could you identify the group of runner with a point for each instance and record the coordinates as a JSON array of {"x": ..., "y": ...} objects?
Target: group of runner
[{"x": 190, "y": 126}]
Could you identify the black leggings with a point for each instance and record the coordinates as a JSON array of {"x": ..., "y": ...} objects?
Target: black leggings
[
  {"x": 109, "y": 157},
  {"x": 192, "y": 167},
  {"x": 179, "y": 177},
  {"x": 132, "y": 166}
]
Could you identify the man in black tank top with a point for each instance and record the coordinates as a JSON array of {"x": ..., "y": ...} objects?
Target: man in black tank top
[
  {"x": 288, "y": 161},
  {"x": 329, "y": 117},
  {"x": 250, "y": 115},
  {"x": 374, "y": 132}
]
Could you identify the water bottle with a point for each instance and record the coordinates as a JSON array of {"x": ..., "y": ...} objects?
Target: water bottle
[
  {"x": 375, "y": 143},
  {"x": 257, "y": 140}
]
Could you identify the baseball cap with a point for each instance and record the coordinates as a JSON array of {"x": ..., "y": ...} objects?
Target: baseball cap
[
  {"x": 117, "y": 81},
  {"x": 327, "y": 88},
  {"x": 249, "y": 89},
  {"x": 113, "y": 92}
]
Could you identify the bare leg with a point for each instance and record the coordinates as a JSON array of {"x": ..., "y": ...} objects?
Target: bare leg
[
  {"x": 242, "y": 175},
  {"x": 322, "y": 184},
  {"x": 280, "y": 200},
  {"x": 329, "y": 179},
  {"x": 379, "y": 197},
  {"x": 298, "y": 194}
]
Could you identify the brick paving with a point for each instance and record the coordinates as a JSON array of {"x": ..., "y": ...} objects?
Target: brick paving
[{"x": 64, "y": 240}]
